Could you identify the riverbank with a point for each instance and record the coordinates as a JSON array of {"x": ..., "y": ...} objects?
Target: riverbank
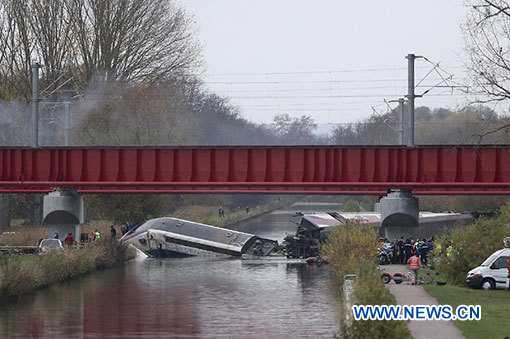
[
  {"x": 209, "y": 215},
  {"x": 22, "y": 274}
]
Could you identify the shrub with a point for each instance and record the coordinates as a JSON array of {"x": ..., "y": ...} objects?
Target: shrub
[
  {"x": 352, "y": 249},
  {"x": 20, "y": 274},
  {"x": 369, "y": 290},
  {"x": 347, "y": 246},
  {"x": 471, "y": 245},
  {"x": 351, "y": 206}
]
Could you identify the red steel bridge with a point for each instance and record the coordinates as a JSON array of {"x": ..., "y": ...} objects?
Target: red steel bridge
[{"x": 369, "y": 170}]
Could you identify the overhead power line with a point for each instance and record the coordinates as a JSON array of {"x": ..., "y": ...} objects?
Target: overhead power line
[
  {"x": 355, "y": 70},
  {"x": 306, "y": 81},
  {"x": 332, "y": 96},
  {"x": 320, "y": 89}
]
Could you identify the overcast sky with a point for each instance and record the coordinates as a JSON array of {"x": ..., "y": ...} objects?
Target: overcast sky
[{"x": 357, "y": 48}]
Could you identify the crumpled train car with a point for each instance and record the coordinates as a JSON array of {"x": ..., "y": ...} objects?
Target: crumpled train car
[{"x": 171, "y": 237}]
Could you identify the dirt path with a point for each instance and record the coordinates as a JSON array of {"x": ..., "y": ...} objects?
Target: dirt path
[{"x": 416, "y": 295}]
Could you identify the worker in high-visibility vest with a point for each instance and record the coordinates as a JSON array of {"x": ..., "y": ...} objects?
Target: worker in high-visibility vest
[
  {"x": 414, "y": 266},
  {"x": 449, "y": 252}
]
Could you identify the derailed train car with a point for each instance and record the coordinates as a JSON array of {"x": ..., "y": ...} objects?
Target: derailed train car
[
  {"x": 172, "y": 237},
  {"x": 312, "y": 231},
  {"x": 314, "y": 228}
]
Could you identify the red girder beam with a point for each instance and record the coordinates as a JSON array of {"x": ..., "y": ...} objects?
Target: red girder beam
[{"x": 452, "y": 170}]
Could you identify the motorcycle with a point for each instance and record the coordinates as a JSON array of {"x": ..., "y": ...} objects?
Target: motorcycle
[{"x": 386, "y": 255}]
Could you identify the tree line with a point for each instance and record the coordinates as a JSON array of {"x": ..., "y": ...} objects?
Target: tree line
[{"x": 132, "y": 69}]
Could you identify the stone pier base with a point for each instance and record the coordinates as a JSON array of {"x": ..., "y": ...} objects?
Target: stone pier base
[{"x": 63, "y": 212}]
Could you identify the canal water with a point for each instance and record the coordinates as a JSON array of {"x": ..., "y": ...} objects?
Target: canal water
[{"x": 193, "y": 297}]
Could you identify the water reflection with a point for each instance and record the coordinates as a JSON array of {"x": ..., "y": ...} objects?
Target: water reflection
[
  {"x": 191, "y": 297},
  {"x": 194, "y": 297}
]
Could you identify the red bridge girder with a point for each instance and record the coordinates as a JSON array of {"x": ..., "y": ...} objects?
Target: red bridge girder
[{"x": 369, "y": 170}]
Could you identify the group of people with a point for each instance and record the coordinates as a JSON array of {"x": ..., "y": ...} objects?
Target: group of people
[
  {"x": 68, "y": 240},
  {"x": 125, "y": 228},
  {"x": 96, "y": 235},
  {"x": 403, "y": 249}
]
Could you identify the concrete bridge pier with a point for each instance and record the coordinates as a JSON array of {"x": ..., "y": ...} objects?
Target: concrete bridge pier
[
  {"x": 63, "y": 212},
  {"x": 399, "y": 213}
]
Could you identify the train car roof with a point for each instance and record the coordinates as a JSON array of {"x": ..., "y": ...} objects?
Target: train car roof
[{"x": 196, "y": 230}]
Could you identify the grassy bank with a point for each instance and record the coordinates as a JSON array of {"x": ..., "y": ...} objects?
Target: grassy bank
[
  {"x": 23, "y": 236},
  {"x": 352, "y": 249},
  {"x": 494, "y": 304},
  {"x": 232, "y": 217},
  {"x": 21, "y": 274}
]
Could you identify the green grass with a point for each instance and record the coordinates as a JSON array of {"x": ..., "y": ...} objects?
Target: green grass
[
  {"x": 237, "y": 216},
  {"x": 18, "y": 222},
  {"x": 495, "y": 309}
]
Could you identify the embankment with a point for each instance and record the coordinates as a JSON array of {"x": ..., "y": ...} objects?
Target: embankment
[
  {"x": 21, "y": 274},
  {"x": 209, "y": 215}
]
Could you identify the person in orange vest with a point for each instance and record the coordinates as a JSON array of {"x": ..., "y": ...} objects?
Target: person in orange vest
[{"x": 414, "y": 266}]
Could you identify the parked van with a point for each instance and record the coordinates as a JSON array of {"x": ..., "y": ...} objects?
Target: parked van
[{"x": 492, "y": 273}]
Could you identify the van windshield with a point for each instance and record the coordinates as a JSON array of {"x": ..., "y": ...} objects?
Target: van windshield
[{"x": 489, "y": 260}]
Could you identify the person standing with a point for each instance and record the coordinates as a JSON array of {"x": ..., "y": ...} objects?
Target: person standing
[
  {"x": 414, "y": 266},
  {"x": 69, "y": 239},
  {"x": 400, "y": 250},
  {"x": 55, "y": 236},
  {"x": 96, "y": 235},
  {"x": 407, "y": 250},
  {"x": 113, "y": 232}
]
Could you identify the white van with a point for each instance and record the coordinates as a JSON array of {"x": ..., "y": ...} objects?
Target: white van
[
  {"x": 50, "y": 244},
  {"x": 492, "y": 273}
]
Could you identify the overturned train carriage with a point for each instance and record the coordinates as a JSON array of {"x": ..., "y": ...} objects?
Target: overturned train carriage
[
  {"x": 312, "y": 231},
  {"x": 172, "y": 237}
]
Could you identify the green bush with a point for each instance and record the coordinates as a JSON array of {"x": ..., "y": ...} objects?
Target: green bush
[
  {"x": 347, "y": 246},
  {"x": 369, "y": 290},
  {"x": 471, "y": 245},
  {"x": 351, "y": 206},
  {"x": 352, "y": 249}
]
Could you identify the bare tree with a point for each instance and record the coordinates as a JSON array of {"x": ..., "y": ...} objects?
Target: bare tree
[
  {"x": 487, "y": 43},
  {"x": 132, "y": 39},
  {"x": 123, "y": 40},
  {"x": 16, "y": 50},
  {"x": 295, "y": 131},
  {"x": 487, "y": 37}
]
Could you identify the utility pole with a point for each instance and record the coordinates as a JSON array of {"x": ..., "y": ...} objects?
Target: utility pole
[
  {"x": 401, "y": 121},
  {"x": 35, "y": 105},
  {"x": 410, "y": 96},
  {"x": 400, "y": 129},
  {"x": 67, "y": 109}
]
